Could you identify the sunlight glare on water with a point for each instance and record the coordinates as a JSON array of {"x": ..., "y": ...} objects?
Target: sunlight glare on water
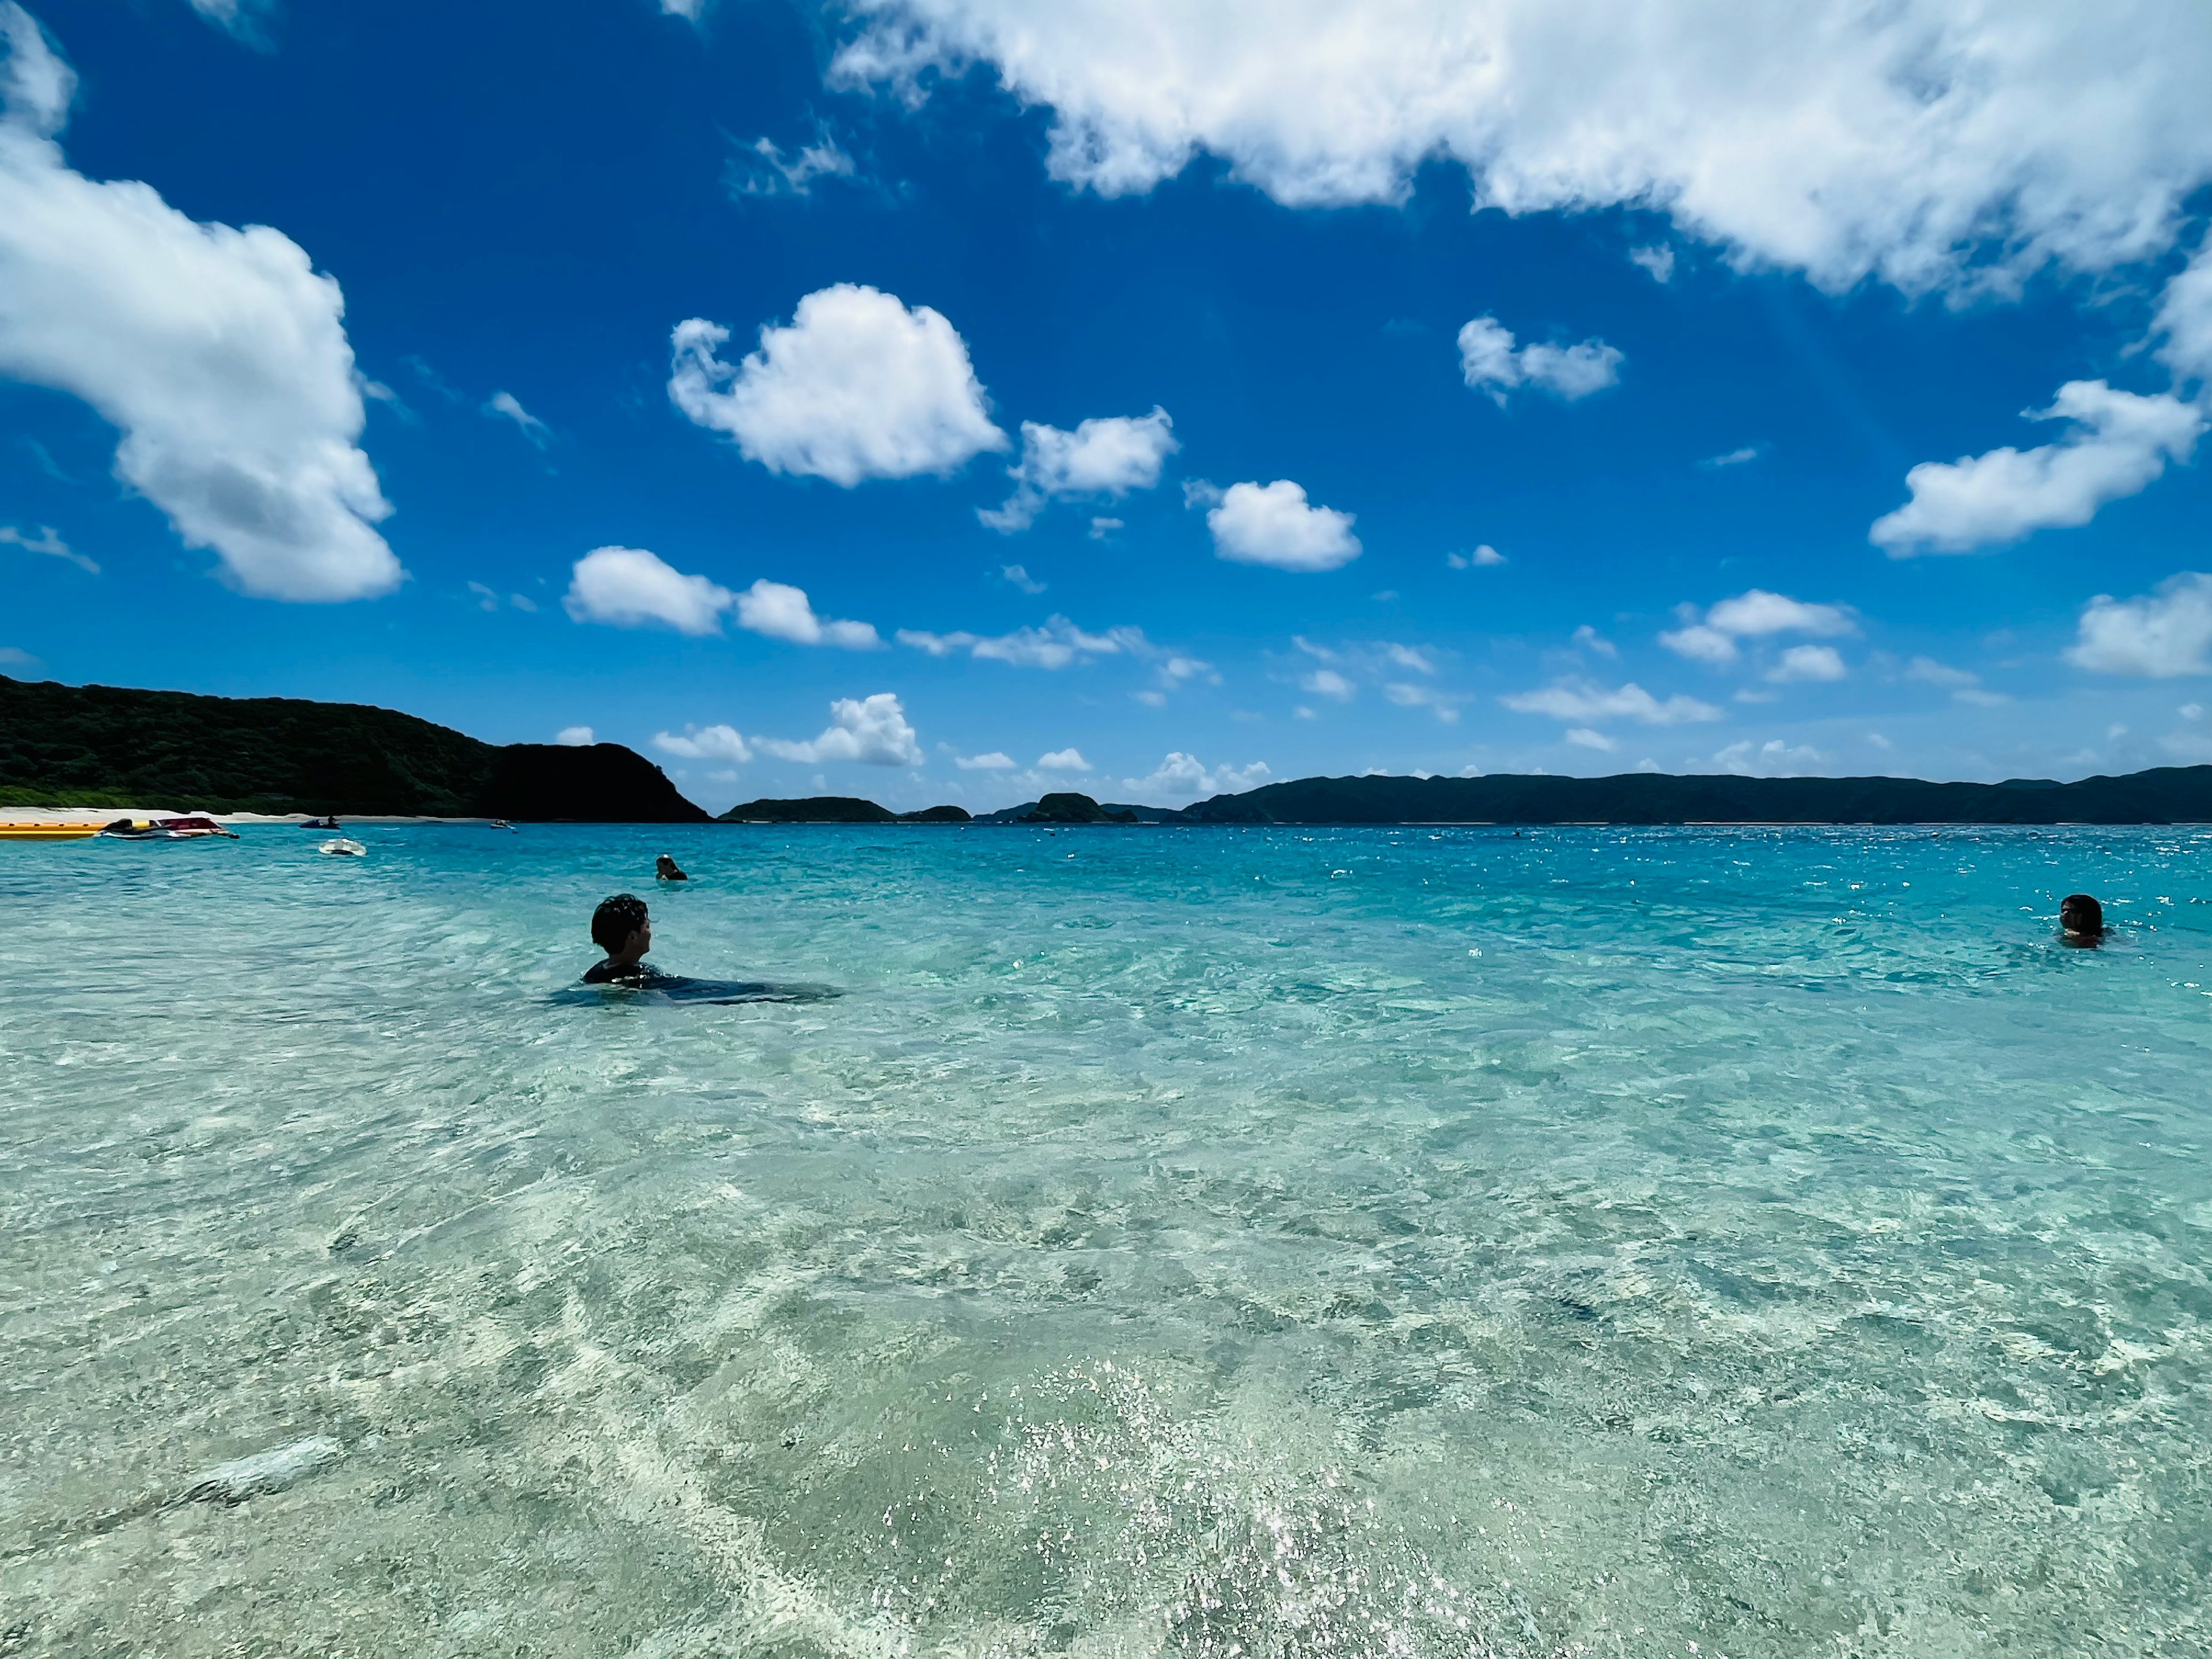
[{"x": 1236, "y": 1242}]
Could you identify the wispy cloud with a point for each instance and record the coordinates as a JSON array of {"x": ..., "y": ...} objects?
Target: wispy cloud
[{"x": 48, "y": 543}]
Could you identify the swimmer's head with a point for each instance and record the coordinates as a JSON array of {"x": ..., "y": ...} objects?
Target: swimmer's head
[
  {"x": 2082, "y": 915},
  {"x": 665, "y": 868},
  {"x": 619, "y": 922}
]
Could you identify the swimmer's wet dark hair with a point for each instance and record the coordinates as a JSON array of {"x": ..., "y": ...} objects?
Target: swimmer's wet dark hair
[
  {"x": 615, "y": 921},
  {"x": 2080, "y": 914}
]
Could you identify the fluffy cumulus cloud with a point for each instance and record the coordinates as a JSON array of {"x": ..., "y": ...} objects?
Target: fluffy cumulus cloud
[
  {"x": 1274, "y": 525},
  {"x": 856, "y": 387},
  {"x": 2116, "y": 443},
  {"x": 2185, "y": 322},
  {"x": 714, "y": 743},
  {"x": 574, "y": 737},
  {"x": 220, "y": 354},
  {"x": 1064, "y": 760},
  {"x": 1184, "y": 777},
  {"x": 995, "y": 761},
  {"x": 780, "y": 611},
  {"x": 2158, "y": 635},
  {"x": 1055, "y": 645},
  {"x": 629, "y": 588},
  {"x": 1927, "y": 142},
  {"x": 1807, "y": 662},
  {"x": 1753, "y": 614},
  {"x": 872, "y": 730},
  {"x": 1581, "y": 701},
  {"x": 1490, "y": 362},
  {"x": 1110, "y": 455}
]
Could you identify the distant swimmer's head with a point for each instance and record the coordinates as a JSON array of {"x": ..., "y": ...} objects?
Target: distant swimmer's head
[
  {"x": 2081, "y": 918},
  {"x": 665, "y": 869},
  {"x": 623, "y": 928}
]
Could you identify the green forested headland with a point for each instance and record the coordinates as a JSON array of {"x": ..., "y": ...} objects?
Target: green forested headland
[{"x": 98, "y": 745}]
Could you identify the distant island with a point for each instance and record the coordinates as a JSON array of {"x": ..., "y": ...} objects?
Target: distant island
[{"x": 97, "y": 745}]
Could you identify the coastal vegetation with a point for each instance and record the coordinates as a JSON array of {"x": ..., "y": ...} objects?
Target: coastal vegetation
[
  {"x": 98, "y": 745},
  {"x": 103, "y": 746}
]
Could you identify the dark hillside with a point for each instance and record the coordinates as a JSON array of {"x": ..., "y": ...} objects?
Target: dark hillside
[
  {"x": 2168, "y": 795},
  {"x": 106, "y": 745}
]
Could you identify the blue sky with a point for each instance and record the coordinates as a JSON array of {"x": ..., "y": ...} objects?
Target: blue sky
[{"x": 1534, "y": 392}]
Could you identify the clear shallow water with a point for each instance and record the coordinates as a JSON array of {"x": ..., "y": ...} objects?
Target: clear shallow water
[{"x": 1234, "y": 1242}]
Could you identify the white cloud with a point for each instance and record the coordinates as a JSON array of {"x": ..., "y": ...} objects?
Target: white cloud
[
  {"x": 1589, "y": 639},
  {"x": 2184, "y": 320},
  {"x": 1581, "y": 700},
  {"x": 1055, "y": 645},
  {"x": 1929, "y": 143},
  {"x": 574, "y": 737},
  {"x": 1751, "y": 615},
  {"x": 765, "y": 169},
  {"x": 488, "y": 598},
  {"x": 1657, "y": 263},
  {"x": 1802, "y": 663},
  {"x": 219, "y": 354},
  {"x": 872, "y": 730},
  {"x": 14, "y": 656},
  {"x": 1937, "y": 673},
  {"x": 2118, "y": 443},
  {"x": 1327, "y": 683},
  {"x": 239, "y": 19},
  {"x": 49, "y": 542},
  {"x": 2191, "y": 711},
  {"x": 715, "y": 742},
  {"x": 1421, "y": 697},
  {"x": 1102, "y": 527},
  {"x": 1183, "y": 777},
  {"x": 1064, "y": 760},
  {"x": 1408, "y": 656},
  {"x": 1773, "y": 757},
  {"x": 629, "y": 587},
  {"x": 780, "y": 611},
  {"x": 1273, "y": 525},
  {"x": 1481, "y": 558},
  {"x": 1701, "y": 644},
  {"x": 856, "y": 387},
  {"x": 1018, "y": 577},
  {"x": 1584, "y": 736},
  {"x": 2159, "y": 636},
  {"x": 1758, "y": 612},
  {"x": 1734, "y": 458},
  {"x": 1489, "y": 363},
  {"x": 505, "y": 406},
  {"x": 1109, "y": 455},
  {"x": 996, "y": 761},
  {"x": 1963, "y": 686}
]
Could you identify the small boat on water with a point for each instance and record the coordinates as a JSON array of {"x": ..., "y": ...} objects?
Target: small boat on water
[
  {"x": 188, "y": 829},
  {"x": 47, "y": 831},
  {"x": 343, "y": 848}
]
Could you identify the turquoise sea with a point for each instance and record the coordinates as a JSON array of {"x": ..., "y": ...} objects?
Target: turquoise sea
[{"x": 1237, "y": 1242}]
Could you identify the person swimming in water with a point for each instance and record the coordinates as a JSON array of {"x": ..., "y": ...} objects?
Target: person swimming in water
[
  {"x": 665, "y": 869},
  {"x": 622, "y": 928},
  {"x": 2080, "y": 921}
]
